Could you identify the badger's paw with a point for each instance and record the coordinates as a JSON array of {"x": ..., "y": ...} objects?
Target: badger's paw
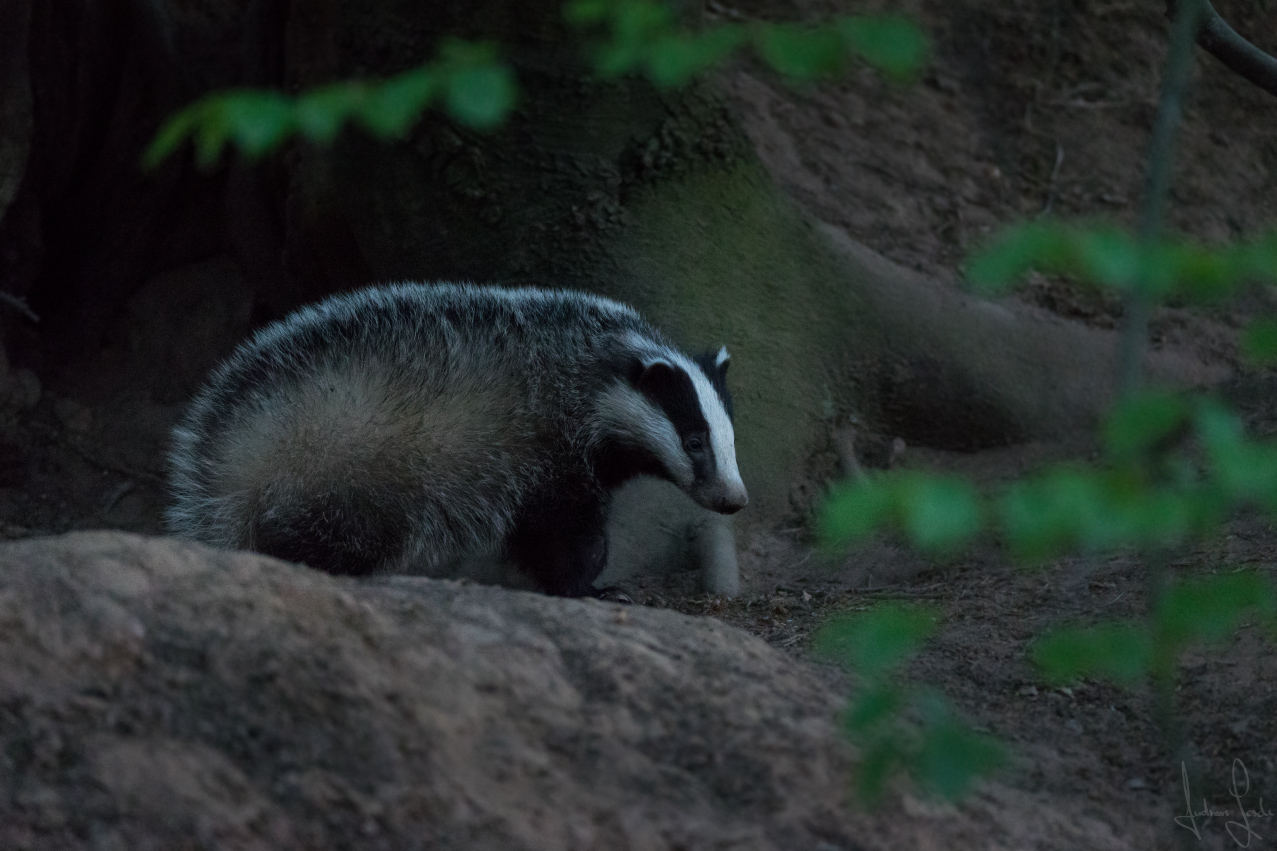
[{"x": 612, "y": 594}]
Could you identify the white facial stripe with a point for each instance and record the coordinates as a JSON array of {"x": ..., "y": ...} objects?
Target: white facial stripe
[
  {"x": 722, "y": 357},
  {"x": 722, "y": 437},
  {"x": 625, "y": 411}
]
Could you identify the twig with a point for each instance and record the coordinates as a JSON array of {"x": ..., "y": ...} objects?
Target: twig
[
  {"x": 1241, "y": 57},
  {"x": 1138, "y": 305},
  {"x": 19, "y": 304},
  {"x": 117, "y": 494},
  {"x": 123, "y": 470},
  {"x": 801, "y": 561},
  {"x": 900, "y": 592},
  {"x": 1050, "y": 185},
  {"x": 844, "y": 440}
]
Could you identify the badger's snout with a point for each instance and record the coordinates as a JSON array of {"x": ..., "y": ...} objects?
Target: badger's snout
[
  {"x": 733, "y": 501},
  {"x": 724, "y": 500}
]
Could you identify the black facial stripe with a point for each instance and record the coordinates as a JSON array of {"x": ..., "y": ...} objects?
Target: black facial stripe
[
  {"x": 671, "y": 390},
  {"x": 717, "y": 379},
  {"x": 703, "y": 464}
]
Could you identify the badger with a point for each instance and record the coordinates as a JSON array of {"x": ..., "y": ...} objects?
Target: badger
[{"x": 403, "y": 428}]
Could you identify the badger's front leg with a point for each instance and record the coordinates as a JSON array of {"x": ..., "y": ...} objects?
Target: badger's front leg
[{"x": 561, "y": 542}]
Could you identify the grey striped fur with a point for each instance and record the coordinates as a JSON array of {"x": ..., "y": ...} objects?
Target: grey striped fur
[{"x": 404, "y": 428}]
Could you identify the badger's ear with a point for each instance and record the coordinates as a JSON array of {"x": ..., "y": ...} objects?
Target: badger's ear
[
  {"x": 657, "y": 376},
  {"x": 722, "y": 360},
  {"x": 633, "y": 366},
  {"x": 653, "y": 359}
]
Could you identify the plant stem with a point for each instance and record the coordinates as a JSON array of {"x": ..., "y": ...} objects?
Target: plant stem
[
  {"x": 1139, "y": 307},
  {"x": 1157, "y": 184}
]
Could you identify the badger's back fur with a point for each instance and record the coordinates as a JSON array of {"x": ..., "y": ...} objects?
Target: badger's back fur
[{"x": 407, "y": 427}]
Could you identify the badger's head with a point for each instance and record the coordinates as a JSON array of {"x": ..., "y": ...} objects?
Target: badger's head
[{"x": 671, "y": 416}]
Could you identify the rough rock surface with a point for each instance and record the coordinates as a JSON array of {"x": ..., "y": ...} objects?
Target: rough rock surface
[{"x": 160, "y": 695}]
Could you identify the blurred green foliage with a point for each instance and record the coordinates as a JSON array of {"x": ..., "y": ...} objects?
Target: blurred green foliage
[
  {"x": 468, "y": 79},
  {"x": 626, "y": 36},
  {"x": 938, "y": 514},
  {"x": 1172, "y": 468},
  {"x": 1260, "y": 341},
  {"x": 1196, "y": 611},
  {"x": 898, "y": 728},
  {"x": 473, "y": 86},
  {"x": 1108, "y": 256}
]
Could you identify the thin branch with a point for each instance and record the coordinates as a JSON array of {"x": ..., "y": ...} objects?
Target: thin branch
[
  {"x": 1179, "y": 61},
  {"x": 19, "y": 304},
  {"x": 1050, "y": 186},
  {"x": 1241, "y": 57}
]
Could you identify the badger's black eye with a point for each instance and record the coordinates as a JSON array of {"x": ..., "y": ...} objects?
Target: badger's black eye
[{"x": 694, "y": 444}]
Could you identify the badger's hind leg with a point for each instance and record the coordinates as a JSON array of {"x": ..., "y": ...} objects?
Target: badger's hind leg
[
  {"x": 340, "y": 533},
  {"x": 561, "y": 542}
]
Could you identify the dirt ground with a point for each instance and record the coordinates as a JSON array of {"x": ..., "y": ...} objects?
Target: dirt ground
[{"x": 1029, "y": 108}]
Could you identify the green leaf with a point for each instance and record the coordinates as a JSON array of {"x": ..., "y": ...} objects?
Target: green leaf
[
  {"x": 1210, "y": 609},
  {"x": 1097, "y": 255},
  {"x": 1014, "y": 252},
  {"x": 1256, "y": 260},
  {"x": 641, "y": 34},
  {"x": 635, "y": 27},
  {"x": 855, "y": 510},
  {"x": 481, "y": 97},
  {"x": 211, "y": 133},
  {"x": 172, "y": 134},
  {"x": 1070, "y": 510},
  {"x": 391, "y": 108},
  {"x": 872, "y": 709},
  {"x": 1260, "y": 341},
  {"x": 1118, "y": 651},
  {"x": 1053, "y": 513},
  {"x": 1138, "y": 425},
  {"x": 1220, "y": 430},
  {"x": 952, "y": 757},
  {"x": 804, "y": 53},
  {"x": 675, "y": 60},
  {"x": 1159, "y": 518},
  {"x": 321, "y": 112},
  {"x": 638, "y": 21},
  {"x": 894, "y": 45},
  {"x": 1107, "y": 257},
  {"x": 258, "y": 121},
  {"x": 878, "y": 640},
  {"x": 1183, "y": 268},
  {"x": 581, "y": 13},
  {"x": 1245, "y": 470},
  {"x": 478, "y": 90},
  {"x": 938, "y": 514}
]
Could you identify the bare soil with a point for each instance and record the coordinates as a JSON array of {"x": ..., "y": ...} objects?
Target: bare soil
[{"x": 1030, "y": 108}]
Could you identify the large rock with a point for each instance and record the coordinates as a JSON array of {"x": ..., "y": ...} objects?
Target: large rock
[{"x": 156, "y": 694}]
